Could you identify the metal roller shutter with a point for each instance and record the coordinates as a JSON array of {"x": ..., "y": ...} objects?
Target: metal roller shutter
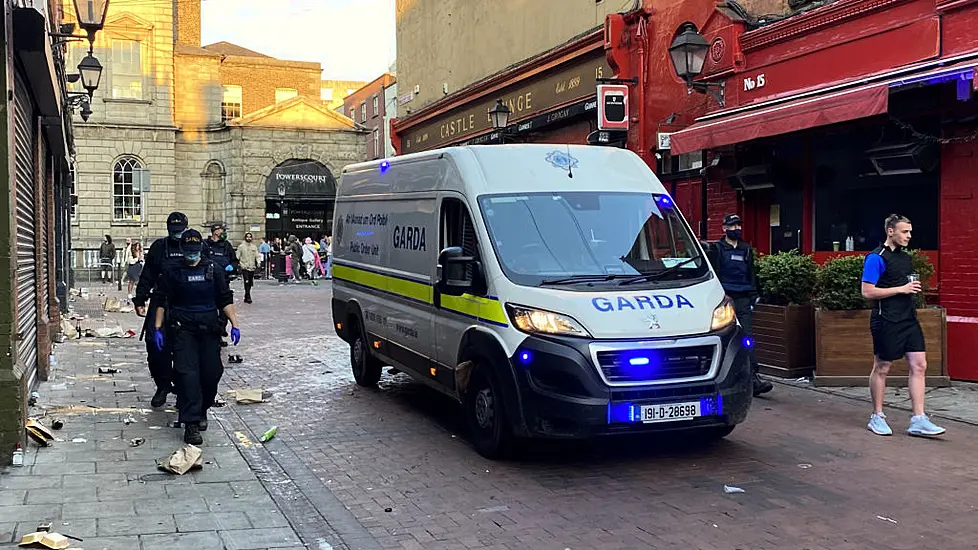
[{"x": 25, "y": 145}]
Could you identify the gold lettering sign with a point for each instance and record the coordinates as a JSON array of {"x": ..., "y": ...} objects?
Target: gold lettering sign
[{"x": 564, "y": 84}]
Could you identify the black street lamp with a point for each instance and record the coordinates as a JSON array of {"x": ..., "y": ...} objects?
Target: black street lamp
[
  {"x": 91, "y": 16},
  {"x": 499, "y": 117},
  {"x": 91, "y": 73},
  {"x": 688, "y": 55}
]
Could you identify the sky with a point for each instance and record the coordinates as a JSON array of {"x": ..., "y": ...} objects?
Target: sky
[{"x": 352, "y": 39}]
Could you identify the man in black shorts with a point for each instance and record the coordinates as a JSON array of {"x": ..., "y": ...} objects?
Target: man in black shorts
[{"x": 889, "y": 284}]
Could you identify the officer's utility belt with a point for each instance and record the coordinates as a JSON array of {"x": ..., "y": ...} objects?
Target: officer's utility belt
[{"x": 209, "y": 326}]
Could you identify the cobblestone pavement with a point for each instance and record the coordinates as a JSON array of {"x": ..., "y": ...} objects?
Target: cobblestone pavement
[{"x": 391, "y": 468}]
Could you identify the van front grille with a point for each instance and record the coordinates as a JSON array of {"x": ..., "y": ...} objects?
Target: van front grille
[{"x": 655, "y": 364}]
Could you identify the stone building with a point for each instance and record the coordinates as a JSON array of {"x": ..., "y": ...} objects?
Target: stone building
[{"x": 219, "y": 132}]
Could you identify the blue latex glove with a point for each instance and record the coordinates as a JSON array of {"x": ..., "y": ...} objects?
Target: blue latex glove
[
  {"x": 229, "y": 268},
  {"x": 235, "y": 335},
  {"x": 158, "y": 338}
]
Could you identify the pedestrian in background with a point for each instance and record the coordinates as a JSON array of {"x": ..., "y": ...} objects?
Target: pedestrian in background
[
  {"x": 890, "y": 284},
  {"x": 106, "y": 258},
  {"x": 248, "y": 263},
  {"x": 134, "y": 265},
  {"x": 309, "y": 257},
  {"x": 733, "y": 260},
  {"x": 197, "y": 297},
  {"x": 266, "y": 260},
  {"x": 329, "y": 257}
]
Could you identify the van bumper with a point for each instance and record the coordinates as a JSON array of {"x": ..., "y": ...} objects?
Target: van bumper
[{"x": 563, "y": 396}]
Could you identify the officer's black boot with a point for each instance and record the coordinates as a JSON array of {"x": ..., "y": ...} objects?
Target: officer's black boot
[
  {"x": 159, "y": 398},
  {"x": 191, "y": 434},
  {"x": 761, "y": 386}
]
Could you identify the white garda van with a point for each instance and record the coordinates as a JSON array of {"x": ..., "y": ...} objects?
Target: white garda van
[{"x": 555, "y": 291}]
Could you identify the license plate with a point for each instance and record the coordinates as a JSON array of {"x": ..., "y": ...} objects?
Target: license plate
[{"x": 670, "y": 412}]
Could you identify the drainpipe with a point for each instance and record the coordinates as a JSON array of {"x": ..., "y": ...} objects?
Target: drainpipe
[{"x": 642, "y": 35}]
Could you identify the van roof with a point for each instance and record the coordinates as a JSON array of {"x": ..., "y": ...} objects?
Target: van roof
[{"x": 518, "y": 168}]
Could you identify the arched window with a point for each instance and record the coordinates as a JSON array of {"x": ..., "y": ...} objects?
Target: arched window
[{"x": 127, "y": 204}]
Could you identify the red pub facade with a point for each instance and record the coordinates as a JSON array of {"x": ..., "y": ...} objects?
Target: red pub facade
[{"x": 818, "y": 126}]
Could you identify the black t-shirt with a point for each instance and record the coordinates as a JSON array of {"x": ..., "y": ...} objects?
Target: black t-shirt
[{"x": 893, "y": 271}]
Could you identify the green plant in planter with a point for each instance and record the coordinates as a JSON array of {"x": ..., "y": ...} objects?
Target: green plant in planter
[
  {"x": 838, "y": 284},
  {"x": 786, "y": 278},
  {"x": 922, "y": 267}
]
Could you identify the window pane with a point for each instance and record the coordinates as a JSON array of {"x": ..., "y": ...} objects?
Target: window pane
[
  {"x": 126, "y": 69},
  {"x": 326, "y": 94},
  {"x": 285, "y": 94},
  {"x": 232, "y": 94}
]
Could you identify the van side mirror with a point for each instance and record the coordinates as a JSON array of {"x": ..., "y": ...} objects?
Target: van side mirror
[{"x": 459, "y": 274}]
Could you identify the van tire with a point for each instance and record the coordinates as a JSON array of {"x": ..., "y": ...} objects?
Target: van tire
[
  {"x": 485, "y": 414},
  {"x": 366, "y": 368}
]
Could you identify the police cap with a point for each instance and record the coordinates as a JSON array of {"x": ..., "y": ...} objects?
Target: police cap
[
  {"x": 192, "y": 241},
  {"x": 218, "y": 225},
  {"x": 176, "y": 222},
  {"x": 731, "y": 219}
]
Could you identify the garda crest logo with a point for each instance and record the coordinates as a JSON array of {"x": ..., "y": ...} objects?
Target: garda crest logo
[
  {"x": 653, "y": 321},
  {"x": 562, "y": 160}
]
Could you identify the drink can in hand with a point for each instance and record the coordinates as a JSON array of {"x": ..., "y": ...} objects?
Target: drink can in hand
[{"x": 913, "y": 278}]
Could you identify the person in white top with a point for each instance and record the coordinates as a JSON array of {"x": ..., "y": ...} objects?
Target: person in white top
[{"x": 309, "y": 257}]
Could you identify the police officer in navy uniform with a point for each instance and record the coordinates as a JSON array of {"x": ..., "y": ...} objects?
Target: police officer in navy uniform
[
  {"x": 162, "y": 253},
  {"x": 195, "y": 292},
  {"x": 218, "y": 250},
  {"x": 733, "y": 260}
]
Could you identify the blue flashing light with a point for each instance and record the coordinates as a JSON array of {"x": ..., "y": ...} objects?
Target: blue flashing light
[
  {"x": 638, "y": 361},
  {"x": 748, "y": 342},
  {"x": 664, "y": 201},
  {"x": 526, "y": 357},
  {"x": 384, "y": 166}
]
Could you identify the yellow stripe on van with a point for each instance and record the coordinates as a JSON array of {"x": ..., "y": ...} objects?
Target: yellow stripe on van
[
  {"x": 476, "y": 307},
  {"x": 420, "y": 292}
]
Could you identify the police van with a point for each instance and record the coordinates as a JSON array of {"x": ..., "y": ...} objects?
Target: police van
[{"x": 554, "y": 291}]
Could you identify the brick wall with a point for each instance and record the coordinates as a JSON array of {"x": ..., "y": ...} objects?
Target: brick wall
[
  {"x": 721, "y": 199},
  {"x": 375, "y": 117},
  {"x": 766, "y": 7},
  {"x": 958, "y": 246},
  {"x": 260, "y": 76},
  {"x": 187, "y": 19}
]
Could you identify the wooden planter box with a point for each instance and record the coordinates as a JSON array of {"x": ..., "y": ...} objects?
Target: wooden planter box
[
  {"x": 844, "y": 349},
  {"x": 785, "y": 339}
]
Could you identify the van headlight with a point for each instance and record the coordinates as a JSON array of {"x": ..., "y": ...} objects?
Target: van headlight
[
  {"x": 536, "y": 321},
  {"x": 724, "y": 315}
]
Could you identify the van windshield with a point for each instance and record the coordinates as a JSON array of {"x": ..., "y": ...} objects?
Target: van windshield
[{"x": 588, "y": 237}]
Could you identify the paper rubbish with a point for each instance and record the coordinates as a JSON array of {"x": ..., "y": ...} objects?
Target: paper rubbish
[
  {"x": 49, "y": 540},
  {"x": 249, "y": 396},
  {"x": 182, "y": 460}
]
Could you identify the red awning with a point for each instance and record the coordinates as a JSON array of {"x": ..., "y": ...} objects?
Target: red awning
[{"x": 780, "y": 119}]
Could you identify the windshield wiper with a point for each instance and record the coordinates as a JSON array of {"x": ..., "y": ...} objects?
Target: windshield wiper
[
  {"x": 658, "y": 274},
  {"x": 580, "y": 279}
]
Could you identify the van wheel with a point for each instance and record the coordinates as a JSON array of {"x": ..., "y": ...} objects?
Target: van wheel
[
  {"x": 485, "y": 414},
  {"x": 366, "y": 368}
]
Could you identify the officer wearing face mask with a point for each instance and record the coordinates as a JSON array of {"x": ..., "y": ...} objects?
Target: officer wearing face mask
[
  {"x": 733, "y": 260},
  {"x": 163, "y": 253},
  {"x": 218, "y": 250},
  {"x": 196, "y": 292}
]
